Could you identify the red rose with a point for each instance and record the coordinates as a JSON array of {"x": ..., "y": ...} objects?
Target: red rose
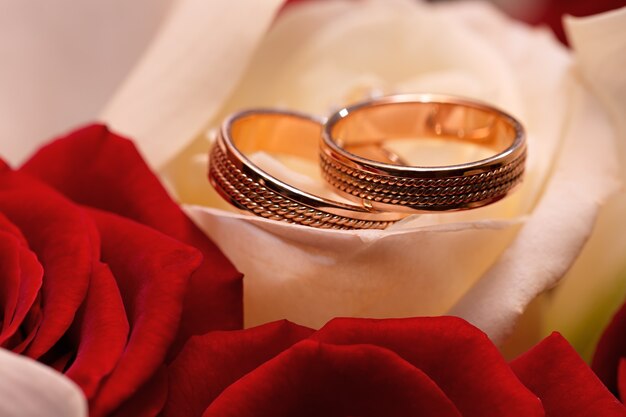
[
  {"x": 609, "y": 360},
  {"x": 547, "y": 12},
  {"x": 551, "y": 12},
  {"x": 400, "y": 367},
  {"x": 101, "y": 275}
]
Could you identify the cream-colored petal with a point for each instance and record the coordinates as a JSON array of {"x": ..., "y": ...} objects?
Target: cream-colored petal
[
  {"x": 190, "y": 68},
  {"x": 599, "y": 44},
  {"x": 539, "y": 66},
  {"x": 590, "y": 293},
  {"x": 553, "y": 236},
  {"x": 30, "y": 389},
  {"x": 311, "y": 276}
]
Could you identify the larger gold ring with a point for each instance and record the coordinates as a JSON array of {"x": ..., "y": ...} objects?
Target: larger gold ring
[
  {"x": 354, "y": 161},
  {"x": 246, "y": 186}
]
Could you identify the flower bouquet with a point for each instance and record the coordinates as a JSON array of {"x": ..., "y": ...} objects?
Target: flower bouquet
[{"x": 341, "y": 207}]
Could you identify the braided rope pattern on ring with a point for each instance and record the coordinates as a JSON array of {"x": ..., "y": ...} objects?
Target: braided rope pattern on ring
[
  {"x": 266, "y": 203},
  {"x": 423, "y": 193}
]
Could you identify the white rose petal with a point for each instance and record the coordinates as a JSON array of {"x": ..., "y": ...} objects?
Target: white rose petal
[
  {"x": 553, "y": 236},
  {"x": 187, "y": 72},
  {"x": 595, "y": 287}
]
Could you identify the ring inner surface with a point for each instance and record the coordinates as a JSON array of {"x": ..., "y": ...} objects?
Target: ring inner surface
[
  {"x": 423, "y": 134},
  {"x": 284, "y": 146},
  {"x": 282, "y": 134}
]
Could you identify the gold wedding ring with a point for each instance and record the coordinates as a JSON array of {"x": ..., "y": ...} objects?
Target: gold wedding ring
[
  {"x": 355, "y": 162},
  {"x": 380, "y": 185},
  {"x": 246, "y": 186}
]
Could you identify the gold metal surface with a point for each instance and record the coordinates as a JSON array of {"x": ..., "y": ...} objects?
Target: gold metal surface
[
  {"x": 354, "y": 161},
  {"x": 248, "y": 187}
]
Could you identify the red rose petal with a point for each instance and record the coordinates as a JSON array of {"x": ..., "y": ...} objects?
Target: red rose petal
[
  {"x": 95, "y": 167},
  {"x": 28, "y": 328},
  {"x": 99, "y": 325},
  {"x": 11, "y": 239},
  {"x": 20, "y": 280},
  {"x": 65, "y": 242},
  {"x": 10, "y": 278},
  {"x": 149, "y": 400},
  {"x": 151, "y": 271},
  {"x": 316, "y": 379},
  {"x": 210, "y": 363},
  {"x": 456, "y": 355},
  {"x": 566, "y": 385},
  {"x": 99, "y": 333},
  {"x": 551, "y": 12},
  {"x": 611, "y": 350},
  {"x": 60, "y": 363},
  {"x": 621, "y": 379}
]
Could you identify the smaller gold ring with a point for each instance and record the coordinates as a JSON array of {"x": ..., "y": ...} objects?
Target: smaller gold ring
[
  {"x": 354, "y": 161},
  {"x": 246, "y": 186}
]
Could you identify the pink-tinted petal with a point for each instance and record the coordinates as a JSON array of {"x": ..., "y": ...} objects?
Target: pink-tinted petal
[
  {"x": 566, "y": 385},
  {"x": 456, "y": 355},
  {"x": 210, "y": 363},
  {"x": 65, "y": 242},
  {"x": 99, "y": 333},
  {"x": 611, "y": 350},
  {"x": 316, "y": 379},
  {"x": 95, "y": 167},
  {"x": 152, "y": 271}
]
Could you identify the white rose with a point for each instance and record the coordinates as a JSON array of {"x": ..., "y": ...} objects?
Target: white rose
[{"x": 485, "y": 265}]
